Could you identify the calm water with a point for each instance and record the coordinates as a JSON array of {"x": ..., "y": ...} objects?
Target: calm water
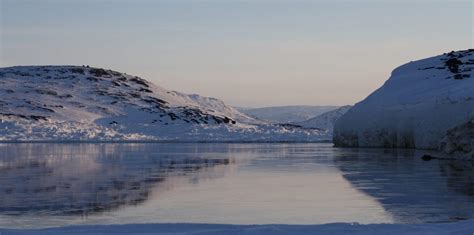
[{"x": 44, "y": 185}]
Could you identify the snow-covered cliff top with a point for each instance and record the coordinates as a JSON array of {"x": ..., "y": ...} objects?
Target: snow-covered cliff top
[{"x": 415, "y": 107}]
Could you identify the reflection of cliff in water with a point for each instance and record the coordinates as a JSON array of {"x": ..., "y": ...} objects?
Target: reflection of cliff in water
[
  {"x": 61, "y": 179},
  {"x": 459, "y": 176},
  {"x": 410, "y": 189}
]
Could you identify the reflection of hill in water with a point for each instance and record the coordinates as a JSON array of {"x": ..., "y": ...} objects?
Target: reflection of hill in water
[
  {"x": 436, "y": 190},
  {"x": 87, "y": 178}
]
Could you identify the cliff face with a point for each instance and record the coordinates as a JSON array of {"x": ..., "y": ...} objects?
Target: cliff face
[{"x": 415, "y": 107}]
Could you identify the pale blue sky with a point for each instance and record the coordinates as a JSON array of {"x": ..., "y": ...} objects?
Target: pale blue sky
[{"x": 248, "y": 53}]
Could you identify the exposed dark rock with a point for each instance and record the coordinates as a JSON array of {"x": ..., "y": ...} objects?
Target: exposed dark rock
[
  {"x": 115, "y": 73},
  {"x": 37, "y": 118},
  {"x": 30, "y": 117},
  {"x": 66, "y": 96},
  {"x": 150, "y": 99},
  {"x": 427, "y": 157},
  {"x": 140, "y": 81},
  {"x": 173, "y": 116},
  {"x": 288, "y": 125},
  {"x": 145, "y": 90},
  {"x": 453, "y": 65},
  {"x": 98, "y": 72},
  {"x": 122, "y": 78}
]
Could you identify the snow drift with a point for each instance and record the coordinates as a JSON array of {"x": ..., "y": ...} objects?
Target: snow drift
[
  {"x": 74, "y": 103},
  {"x": 416, "y": 107}
]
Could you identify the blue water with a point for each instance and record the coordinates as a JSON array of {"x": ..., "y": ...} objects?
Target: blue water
[{"x": 45, "y": 185}]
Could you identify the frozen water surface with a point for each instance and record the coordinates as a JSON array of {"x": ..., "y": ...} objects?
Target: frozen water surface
[{"x": 51, "y": 185}]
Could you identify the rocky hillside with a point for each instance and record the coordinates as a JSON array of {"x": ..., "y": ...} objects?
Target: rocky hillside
[
  {"x": 416, "y": 107},
  {"x": 85, "y": 103}
]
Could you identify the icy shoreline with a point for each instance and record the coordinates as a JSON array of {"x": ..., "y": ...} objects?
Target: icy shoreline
[
  {"x": 163, "y": 142},
  {"x": 463, "y": 227}
]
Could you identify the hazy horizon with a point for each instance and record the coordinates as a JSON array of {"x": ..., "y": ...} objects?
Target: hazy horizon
[{"x": 247, "y": 53}]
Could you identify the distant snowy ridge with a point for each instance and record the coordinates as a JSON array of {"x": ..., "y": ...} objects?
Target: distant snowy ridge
[
  {"x": 326, "y": 120},
  {"x": 416, "y": 107},
  {"x": 286, "y": 114},
  {"x": 74, "y": 103}
]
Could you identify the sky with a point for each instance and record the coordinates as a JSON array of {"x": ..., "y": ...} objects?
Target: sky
[{"x": 249, "y": 53}]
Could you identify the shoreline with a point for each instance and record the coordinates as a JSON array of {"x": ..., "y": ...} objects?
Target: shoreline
[
  {"x": 159, "y": 142},
  {"x": 461, "y": 227}
]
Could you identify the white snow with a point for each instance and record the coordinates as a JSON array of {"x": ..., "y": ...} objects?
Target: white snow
[
  {"x": 415, "y": 107},
  {"x": 74, "y": 103},
  {"x": 464, "y": 227}
]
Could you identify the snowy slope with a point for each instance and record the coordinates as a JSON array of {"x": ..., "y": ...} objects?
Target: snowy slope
[
  {"x": 326, "y": 120},
  {"x": 82, "y": 103},
  {"x": 287, "y": 114},
  {"x": 415, "y": 107}
]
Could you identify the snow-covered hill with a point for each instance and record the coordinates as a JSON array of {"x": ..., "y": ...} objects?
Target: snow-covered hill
[
  {"x": 286, "y": 114},
  {"x": 82, "y": 103},
  {"x": 415, "y": 107},
  {"x": 326, "y": 120}
]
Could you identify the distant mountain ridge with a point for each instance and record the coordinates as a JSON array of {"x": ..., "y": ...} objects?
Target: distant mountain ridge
[
  {"x": 326, "y": 120},
  {"x": 286, "y": 114}
]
